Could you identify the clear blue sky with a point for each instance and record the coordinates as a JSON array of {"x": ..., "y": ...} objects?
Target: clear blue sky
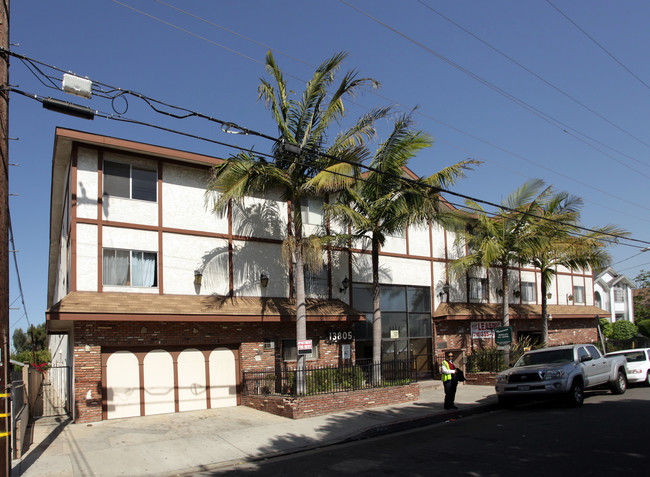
[{"x": 586, "y": 134}]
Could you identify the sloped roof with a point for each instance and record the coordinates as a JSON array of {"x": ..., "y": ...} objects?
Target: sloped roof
[
  {"x": 491, "y": 311},
  {"x": 154, "y": 307}
]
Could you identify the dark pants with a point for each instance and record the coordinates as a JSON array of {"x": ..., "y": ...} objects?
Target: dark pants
[{"x": 450, "y": 391}]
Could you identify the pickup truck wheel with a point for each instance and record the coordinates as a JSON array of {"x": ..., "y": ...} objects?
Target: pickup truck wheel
[
  {"x": 619, "y": 385},
  {"x": 576, "y": 395},
  {"x": 647, "y": 379}
]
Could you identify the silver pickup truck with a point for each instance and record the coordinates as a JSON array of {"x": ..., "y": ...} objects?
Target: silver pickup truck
[{"x": 564, "y": 371}]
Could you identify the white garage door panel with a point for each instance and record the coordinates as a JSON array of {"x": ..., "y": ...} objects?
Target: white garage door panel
[
  {"x": 191, "y": 381},
  {"x": 122, "y": 385},
  {"x": 158, "y": 382},
  {"x": 223, "y": 382}
]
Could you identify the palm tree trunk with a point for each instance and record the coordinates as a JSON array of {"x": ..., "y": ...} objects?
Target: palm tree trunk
[
  {"x": 301, "y": 315},
  {"x": 376, "y": 314},
  {"x": 506, "y": 309},
  {"x": 544, "y": 313}
]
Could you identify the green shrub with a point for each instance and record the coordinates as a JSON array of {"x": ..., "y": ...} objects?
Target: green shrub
[
  {"x": 623, "y": 330},
  {"x": 644, "y": 327}
]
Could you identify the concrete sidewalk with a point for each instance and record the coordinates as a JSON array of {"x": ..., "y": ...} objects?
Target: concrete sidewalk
[{"x": 173, "y": 444}]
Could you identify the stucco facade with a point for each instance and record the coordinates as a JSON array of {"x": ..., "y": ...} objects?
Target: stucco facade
[{"x": 143, "y": 273}]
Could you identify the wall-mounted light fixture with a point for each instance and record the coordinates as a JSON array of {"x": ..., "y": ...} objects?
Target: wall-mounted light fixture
[
  {"x": 500, "y": 292},
  {"x": 517, "y": 293},
  {"x": 549, "y": 295},
  {"x": 264, "y": 280},
  {"x": 444, "y": 291},
  {"x": 198, "y": 276},
  {"x": 345, "y": 284}
]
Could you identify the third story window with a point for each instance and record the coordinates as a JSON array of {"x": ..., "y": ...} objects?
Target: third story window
[{"x": 130, "y": 182}]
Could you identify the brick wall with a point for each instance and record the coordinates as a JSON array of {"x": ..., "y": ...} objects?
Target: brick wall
[
  {"x": 456, "y": 335},
  {"x": 309, "y": 406},
  {"x": 91, "y": 338}
]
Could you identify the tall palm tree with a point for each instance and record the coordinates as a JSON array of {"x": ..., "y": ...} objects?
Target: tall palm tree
[
  {"x": 566, "y": 244},
  {"x": 501, "y": 239},
  {"x": 384, "y": 202},
  {"x": 315, "y": 168}
]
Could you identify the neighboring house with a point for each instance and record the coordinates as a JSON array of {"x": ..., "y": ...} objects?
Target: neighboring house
[
  {"x": 166, "y": 304},
  {"x": 613, "y": 293}
]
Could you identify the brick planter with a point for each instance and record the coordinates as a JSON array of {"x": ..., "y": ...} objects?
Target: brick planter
[
  {"x": 481, "y": 379},
  {"x": 308, "y": 406}
]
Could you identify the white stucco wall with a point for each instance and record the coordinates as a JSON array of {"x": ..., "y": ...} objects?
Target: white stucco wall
[
  {"x": 250, "y": 259},
  {"x": 260, "y": 218},
  {"x": 184, "y": 201},
  {"x": 87, "y": 267},
  {"x": 183, "y": 254},
  {"x": 419, "y": 243},
  {"x": 87, "y": 183}
]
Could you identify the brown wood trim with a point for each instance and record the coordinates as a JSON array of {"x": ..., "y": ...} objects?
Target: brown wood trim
[
  {"x": 206, "y": 359},
  {"x": 231, "y": 253},
  {"x": 161, "y": 287},
  {"x": 123, "y": 146},
  {"x": 198, "y": 318}
]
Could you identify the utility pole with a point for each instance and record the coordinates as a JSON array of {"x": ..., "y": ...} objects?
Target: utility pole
[{"x": 5, "y": 385}]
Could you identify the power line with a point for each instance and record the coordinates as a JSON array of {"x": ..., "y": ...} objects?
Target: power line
[
  {"x": 578, "y": 135},
  {"x": 545, "y": 81},
  {"x": 553, "y": 171},
  {"x": 599, "y": 45}
]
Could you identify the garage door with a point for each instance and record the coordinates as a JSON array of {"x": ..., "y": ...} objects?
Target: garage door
[{"x": 164, "y": 381}]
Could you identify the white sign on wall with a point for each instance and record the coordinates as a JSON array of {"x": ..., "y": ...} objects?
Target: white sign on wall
[{"x": 484, "y": 329}]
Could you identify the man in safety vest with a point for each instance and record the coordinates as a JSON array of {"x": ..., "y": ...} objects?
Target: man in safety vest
[{"x": 449, "y": 381}]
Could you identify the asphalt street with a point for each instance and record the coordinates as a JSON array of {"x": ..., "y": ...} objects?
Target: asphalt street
[{"x": 606, "y": 437}]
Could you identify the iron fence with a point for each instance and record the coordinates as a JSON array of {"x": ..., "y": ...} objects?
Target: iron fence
[{"x": 325, "y": 380}]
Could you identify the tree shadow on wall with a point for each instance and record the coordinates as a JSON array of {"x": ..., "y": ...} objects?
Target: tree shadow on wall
[{"x": 261, "y": 228}]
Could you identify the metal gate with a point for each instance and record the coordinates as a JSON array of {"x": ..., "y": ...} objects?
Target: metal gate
[{"x": 54, "y": 394}]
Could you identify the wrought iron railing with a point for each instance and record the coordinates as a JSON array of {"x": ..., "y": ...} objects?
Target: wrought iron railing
[{"x": 324, "y": 380}]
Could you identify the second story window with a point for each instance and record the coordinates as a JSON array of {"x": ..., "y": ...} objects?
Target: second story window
[
  {"x": 619, "y": 295},
  {"x": 578, "y": 294},
  {"x": 528, "y": 291},
  {"x": 129, "y": 268},
  {"x": 477, "y": 288},
  {"x": 130, "y": 182}
]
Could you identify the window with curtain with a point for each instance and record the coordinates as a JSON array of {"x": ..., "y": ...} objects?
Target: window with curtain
[
  {"x": 129, "y": 268},
  {"x": 578, "y": 294},
  {"x": 528, "y": 291},
  {"x": 477, "y": 288},
  {"x": 130, "y": 182}
]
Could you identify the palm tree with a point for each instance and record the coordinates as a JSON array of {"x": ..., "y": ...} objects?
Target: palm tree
[
  {"x": 501, "y": 239},
  {"x": 384, "y": 202},
  {"x": 558, "y": 219},
  {"x": 312, "y": 168}
]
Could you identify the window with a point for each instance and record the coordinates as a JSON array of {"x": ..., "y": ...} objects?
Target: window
[
  {"x": 312, "y": 211},
  {"x": 528, "y": 291},
  {"x": 290, "y": 349},
  {"x": 316, "y": 285},
  {"x": 477, "y": 288},
  {"x": 124, "y": 180},
  {"x": 129, "y": 268},
  {"x": 578, "y": 294},
  {"x": 619, "y": 295},
  {"x": 593, "y": 352}
]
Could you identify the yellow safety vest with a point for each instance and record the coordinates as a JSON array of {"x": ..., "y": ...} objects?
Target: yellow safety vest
[{"x": 446, "y": 377}]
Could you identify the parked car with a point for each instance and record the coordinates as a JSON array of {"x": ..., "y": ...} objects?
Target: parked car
[
  {"x": 638, "y": 364},
  {"x": 564, "y": 371}
]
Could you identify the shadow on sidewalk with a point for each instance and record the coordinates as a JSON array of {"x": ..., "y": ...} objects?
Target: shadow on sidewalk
[{"x": 32, "y": 455}]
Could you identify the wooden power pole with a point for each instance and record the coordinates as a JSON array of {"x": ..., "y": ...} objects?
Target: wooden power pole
[{"x": 5, "y": 385}]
